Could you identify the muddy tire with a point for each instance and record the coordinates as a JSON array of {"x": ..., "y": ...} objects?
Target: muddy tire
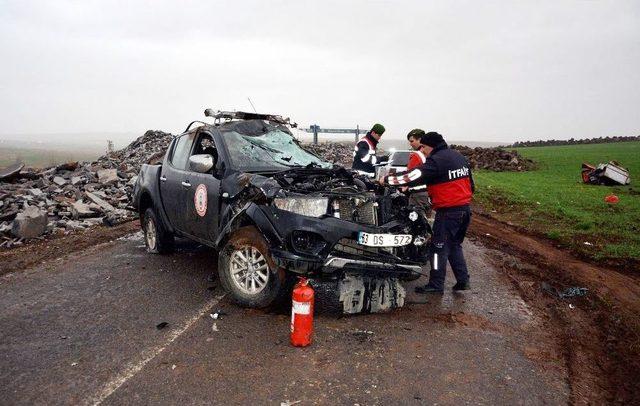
[
  {"x": 157, "y": 239},
  {"x": 247, "y": 270}
]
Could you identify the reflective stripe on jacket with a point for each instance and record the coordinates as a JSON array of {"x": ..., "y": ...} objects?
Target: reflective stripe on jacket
[
  {"x": 364, "y": 155},
  {"x": 447, "y": 175},
  {"x": 416, "y": 159}
]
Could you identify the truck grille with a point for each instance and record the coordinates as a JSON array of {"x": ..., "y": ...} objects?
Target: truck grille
[{"x": 358, "y": 211}]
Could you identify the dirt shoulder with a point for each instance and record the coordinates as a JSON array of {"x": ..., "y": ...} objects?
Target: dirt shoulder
[
  {"x": 600, "y": 332},
  {"x": 54, "y": 247}
]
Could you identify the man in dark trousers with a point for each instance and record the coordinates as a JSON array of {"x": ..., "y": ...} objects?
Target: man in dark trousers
[
  {"x": 364, "y": 152},
  {"x": 447, "y": 175}
]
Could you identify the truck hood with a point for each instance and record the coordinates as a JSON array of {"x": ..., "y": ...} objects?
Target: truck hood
[{"x": 300, "y": 181}]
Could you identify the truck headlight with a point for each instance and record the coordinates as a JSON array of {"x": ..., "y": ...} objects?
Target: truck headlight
[{"x": 305, "y": 206}]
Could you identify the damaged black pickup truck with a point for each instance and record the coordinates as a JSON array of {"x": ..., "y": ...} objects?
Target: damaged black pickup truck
[{"x": 244, "y": 186}]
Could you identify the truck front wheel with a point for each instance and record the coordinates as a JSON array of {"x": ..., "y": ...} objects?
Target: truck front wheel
[
  {"x": 247, "y": 270},
  {"x": 156, "y": 238}
]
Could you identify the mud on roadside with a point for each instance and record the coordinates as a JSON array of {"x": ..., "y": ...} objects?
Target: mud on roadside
[
  {"x": 599, "y": 333},
  {"x": 53, "y": 247}
]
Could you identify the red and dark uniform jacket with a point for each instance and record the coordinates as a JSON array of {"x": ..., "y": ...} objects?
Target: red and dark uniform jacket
[
  {"x": 416, "y": 159},
  {"x": 447, "y": 175}
]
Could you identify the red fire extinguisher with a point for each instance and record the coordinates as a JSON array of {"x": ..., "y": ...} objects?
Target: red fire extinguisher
[{"x": 302, "y": 314}]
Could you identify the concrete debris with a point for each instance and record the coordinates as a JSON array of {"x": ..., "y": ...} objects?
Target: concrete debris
[
  {"x": 340, "y": 153},
  {"x": 60, "y": 181},
  {"x": 10, "y": 172},
  {"x": 76, "y": 179},
  {"x": 107, "y": 175},
  {"x": 74, "y": 195},
  {"x": 30, "y": 223},
  {"x": 104, "y": 205},
  {"x": 80, "y": 210}
]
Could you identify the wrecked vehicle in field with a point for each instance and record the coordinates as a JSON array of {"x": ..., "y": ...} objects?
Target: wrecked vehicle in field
[{"x": 273, "y": 211}]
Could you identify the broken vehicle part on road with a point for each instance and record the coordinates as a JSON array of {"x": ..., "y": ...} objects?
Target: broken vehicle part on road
[
  {"x": 605, "y": 174},
  {"x": 245, "y": 187}
]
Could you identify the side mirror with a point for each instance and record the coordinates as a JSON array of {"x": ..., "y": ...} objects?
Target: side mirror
[{"x": 201, "y": 163}]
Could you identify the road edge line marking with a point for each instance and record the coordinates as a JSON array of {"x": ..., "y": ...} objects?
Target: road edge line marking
[{"x": 147, "y": 356}]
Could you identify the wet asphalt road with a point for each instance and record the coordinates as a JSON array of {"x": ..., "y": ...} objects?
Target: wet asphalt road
[{"x": 82, "y": 330}]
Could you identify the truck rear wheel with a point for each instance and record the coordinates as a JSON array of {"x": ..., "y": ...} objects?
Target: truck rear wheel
[
  {"x": 156, "y": 238},
  {"x": 247, "y": 270}
]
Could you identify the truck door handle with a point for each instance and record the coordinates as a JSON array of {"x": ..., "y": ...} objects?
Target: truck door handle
[
  {"x": 186, "y": 184},
  {"x": 163, "y": 178}
]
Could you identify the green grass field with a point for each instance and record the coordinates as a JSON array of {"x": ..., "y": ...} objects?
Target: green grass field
[
  {"x": 41, "y": 158},
  {"x": 554, "y": 202}
]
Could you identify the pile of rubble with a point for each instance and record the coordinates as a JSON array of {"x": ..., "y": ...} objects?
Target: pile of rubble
[
  {"x": 573, "y": 141},
  {"x": 75, "y": 195},
  {"x": 340, "y": 153},
  {"x": 495, "y": 159}
]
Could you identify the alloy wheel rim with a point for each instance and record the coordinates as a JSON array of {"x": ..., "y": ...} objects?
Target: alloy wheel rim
[
  {"x": 249, "y": 270},
  {"x": 150, "y": 234}
]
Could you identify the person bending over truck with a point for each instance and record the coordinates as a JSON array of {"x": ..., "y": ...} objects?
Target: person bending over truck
[
  {"x": 417, "y": 194},
  {"x": 364, "y": 152},
  {"x": 447, "y": 175}
]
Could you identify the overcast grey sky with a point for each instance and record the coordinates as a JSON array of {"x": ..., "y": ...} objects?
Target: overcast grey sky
[{"x": 487, "y": 71}]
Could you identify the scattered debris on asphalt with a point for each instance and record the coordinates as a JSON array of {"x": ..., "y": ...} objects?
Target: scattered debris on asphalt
[
  {"x": 74, "y": 195},
  {"x": 570, "y": 292},
  {"x": 608, "y": 174},
  {"x": 290, "y": 402},
  {"x": 162, "y": 325},
  {"x": 362, "y": 335},
  {"x": 573, "y": 292}
]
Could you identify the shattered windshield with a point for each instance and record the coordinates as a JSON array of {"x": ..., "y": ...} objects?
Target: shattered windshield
[{"x": 274, "y": 149}]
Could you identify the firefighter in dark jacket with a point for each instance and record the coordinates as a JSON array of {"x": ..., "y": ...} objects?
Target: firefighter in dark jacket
[
  {"x": 364, "y": 152},
  {"x": 447, "y": 175}
]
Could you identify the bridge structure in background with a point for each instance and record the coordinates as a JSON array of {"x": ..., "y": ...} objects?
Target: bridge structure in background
[{"x": 316, "y": 129}]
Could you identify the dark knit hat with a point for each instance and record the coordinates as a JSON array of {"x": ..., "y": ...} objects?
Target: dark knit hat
[
  {"x": 431, "y": 139},
  {"x": 378, "y": 129},
  {"x": 415, "y": 133}
]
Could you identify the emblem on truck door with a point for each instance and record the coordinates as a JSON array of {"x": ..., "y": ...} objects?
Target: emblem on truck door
[{"x": 200, "y": 200}]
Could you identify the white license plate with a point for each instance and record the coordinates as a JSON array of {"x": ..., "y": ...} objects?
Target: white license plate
[{"x": 384, "y": 240}]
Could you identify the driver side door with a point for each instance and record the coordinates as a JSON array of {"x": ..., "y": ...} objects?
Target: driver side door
[
  {"x": 174, "y": 181},
  {"x": 203, "y": 197}
]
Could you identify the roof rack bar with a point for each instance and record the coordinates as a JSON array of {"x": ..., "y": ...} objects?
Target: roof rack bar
[{"x": 243, "y": 115}]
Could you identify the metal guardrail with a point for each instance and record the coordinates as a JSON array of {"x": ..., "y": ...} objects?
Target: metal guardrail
[{"x": 316, "y": 129}]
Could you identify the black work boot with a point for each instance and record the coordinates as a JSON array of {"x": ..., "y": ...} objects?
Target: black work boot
[
  {"x": 461, "y": 286},
  {"x": 428, "y": 289}
]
